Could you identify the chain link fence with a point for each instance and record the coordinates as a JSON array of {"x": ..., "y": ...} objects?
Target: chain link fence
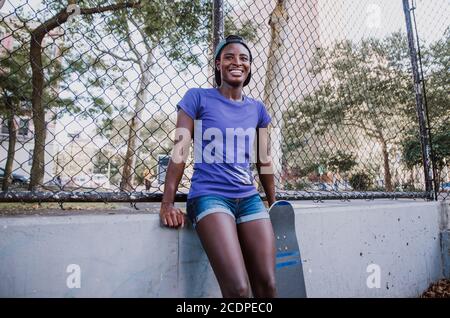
[
  {"x": 432, "y": 31},
  {"x": 89, "y": 92}
]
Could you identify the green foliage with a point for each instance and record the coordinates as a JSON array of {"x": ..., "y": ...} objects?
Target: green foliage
[
  {"x": 412, "y": 151},
  {"x": 317, "y": 167},
  {"x": 155, "y": 136},
  {"x": 437, "y": 81},
  {"x": 368, "y": 87},
  {"x": 360, "y": 181},
  {"x": 323, "y": 162},
  {"x": 171, "y": 27},
  {"x": 297, "y": 185},
  {"x": 248, "y": 30},
  {"x": 436, "y": 65},
  {"x": 15, "y": 83},
  {"x": 341, "y": 162}
]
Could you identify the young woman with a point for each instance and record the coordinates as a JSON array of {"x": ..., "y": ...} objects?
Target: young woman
[{"x": 223, "y": 204}]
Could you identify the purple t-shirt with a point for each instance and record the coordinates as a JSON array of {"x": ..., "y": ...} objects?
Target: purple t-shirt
[{"x": 224, "y": 138}]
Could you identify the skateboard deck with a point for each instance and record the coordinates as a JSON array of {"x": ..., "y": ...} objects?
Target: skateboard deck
[{"x": 289, "y": 270}]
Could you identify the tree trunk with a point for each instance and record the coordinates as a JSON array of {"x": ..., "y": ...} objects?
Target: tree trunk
[
  {"x": 37, "y": 168},
  {"x": 411, "y": 177},
  {"x": 273, "y": 87},
  {"x": 12, "y": 134},
  {"x": 387, "y": 169},
  {"x": 127, "y": 174},
  {"x": 438, "y": 176},
  {"x": 126, "y": 183}
]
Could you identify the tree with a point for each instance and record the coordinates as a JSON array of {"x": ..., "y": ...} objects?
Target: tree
[
  {"x": 89, "y": 7},
  {"x": 322, "y": 162},
  {"x": 360, "y": 181},
  {"x": 165, "y": 30},
  {"x": 366, "y": 87},
  {"x": 155, "y": 140},
  {"x": 12, "y": 100},
  {"x": 276, "y": 70},
  {"x": 412, "y": 150},
  {"x": 436, "y": 61},
  {"x": 341, "y": 162},
  {"x": 16, "y": 91},
  {"x": 172, "y": 27},
  {"x": 158, "y": 29}
]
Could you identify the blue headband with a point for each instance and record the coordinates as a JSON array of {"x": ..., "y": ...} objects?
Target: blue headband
[{"x": 228, "y": 40}]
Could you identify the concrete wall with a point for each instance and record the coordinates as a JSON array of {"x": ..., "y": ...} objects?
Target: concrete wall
[
  {"x": 401, "y": 240},
  {"x": 132, "y": 256}
]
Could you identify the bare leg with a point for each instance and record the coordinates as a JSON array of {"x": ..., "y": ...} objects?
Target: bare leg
[
  {"x": 258, "y": 246},
  {"x": 218, "y": 234}
]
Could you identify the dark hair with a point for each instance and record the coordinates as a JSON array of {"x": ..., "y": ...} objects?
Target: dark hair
[{"x": 228, "y": 40}]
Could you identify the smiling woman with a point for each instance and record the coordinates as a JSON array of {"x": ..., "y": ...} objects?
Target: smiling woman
[
  {"x": 223, "y": 204},
  {"x": 233, "y": 59}
]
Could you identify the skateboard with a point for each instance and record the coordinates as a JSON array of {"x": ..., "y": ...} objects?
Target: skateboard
[{"x": 289, "y": 270}]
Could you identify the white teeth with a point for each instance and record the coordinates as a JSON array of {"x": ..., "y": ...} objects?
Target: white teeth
[{"x": 236, "y": 72}]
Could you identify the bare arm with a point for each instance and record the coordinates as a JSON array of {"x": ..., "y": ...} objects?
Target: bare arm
[
  {"x": 264, "y": 165},
  {"x": 171, "y": 216}
]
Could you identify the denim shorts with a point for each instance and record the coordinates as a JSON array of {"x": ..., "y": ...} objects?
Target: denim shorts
[{"x": 242, "y": 209}]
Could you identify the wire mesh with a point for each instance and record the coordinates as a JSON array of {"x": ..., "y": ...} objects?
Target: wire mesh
[
  {"x": 89, "y": 94},
  {"x": 434, "y": 51}
]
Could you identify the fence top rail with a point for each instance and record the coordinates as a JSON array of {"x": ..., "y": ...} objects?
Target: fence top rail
[{"x": 30, "y": 196}]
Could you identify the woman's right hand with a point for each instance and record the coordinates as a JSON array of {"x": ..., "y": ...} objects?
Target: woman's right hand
[{"x": 171, "y": 216}]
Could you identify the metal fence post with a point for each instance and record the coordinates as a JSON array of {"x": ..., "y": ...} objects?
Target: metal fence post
[
  {"x": 425, "y": 140},
  {"x": 218, "y": 28}
]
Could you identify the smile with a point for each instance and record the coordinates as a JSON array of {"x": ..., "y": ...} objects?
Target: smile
[{"x": 236, "y": 72}]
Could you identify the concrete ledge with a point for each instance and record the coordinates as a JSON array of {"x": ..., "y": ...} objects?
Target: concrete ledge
[{"x": 132, "y": 256}]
